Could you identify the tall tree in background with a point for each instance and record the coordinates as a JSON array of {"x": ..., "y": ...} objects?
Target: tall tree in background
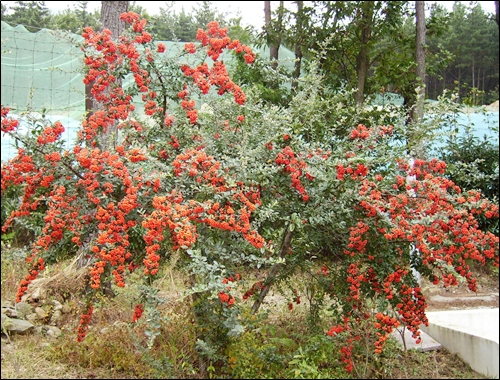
[
  {"x": 83, "y": 14},
  {"x": 349, "y": 35},
  {"x": 473, "y": 40},
  {"x": 205, "y": 13},
  {"x": 167, "y": 25},
  {"x": 437, "y": 56},
  {"x": 418, "y": 114},
  {"x": 364, "y": 32},
  {"x": 162, "y": 23},
  {"x": 299, "y": 40},
  {"x": 496, "y": 13},
  {"x": 273, "y": 31},
  {"x": 74, "y": 20},
  {"x": 185, "y": 28},
  {"x": 33, "y": 15}
]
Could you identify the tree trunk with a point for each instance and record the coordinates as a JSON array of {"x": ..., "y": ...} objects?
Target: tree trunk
[
  {"x": 420, "y": 59},
  {"x": 496, "y": 13},
  {"x": 273, "y": 49},
  {"x": 473, "y": 72},
  {"x": 277, "y": 34},
  {"x": 267, "y": 23},
  {"x": 273, "y": 35},
  {"x": 362, "y": 65},
  {"x": 110, "y": 16},
  {"x": 285, "y": 245},
  {"x": 110, "y": 19},
  {"x": 484, "y": 89},
  {"x": 298, "y": 47}
]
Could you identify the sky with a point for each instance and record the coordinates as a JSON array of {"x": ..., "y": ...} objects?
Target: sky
[{"x": 252, "y": 12}]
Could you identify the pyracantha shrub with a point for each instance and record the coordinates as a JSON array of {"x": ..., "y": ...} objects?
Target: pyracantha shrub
[{"x": 200, "y": 167}]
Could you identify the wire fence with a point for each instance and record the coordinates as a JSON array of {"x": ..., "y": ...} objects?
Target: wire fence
[{"x": 41, "y": 72}]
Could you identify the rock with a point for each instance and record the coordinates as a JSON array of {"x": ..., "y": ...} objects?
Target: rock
[
  {"x": 66, "y": 309},
  {"x": 5, "y": 320},
  {"x": 42, "y": 314},
  {"x": 57, "y": 305},
  {"x": 18, "y": 326},
  {"x": 54, "y": 332},
  {"x": 37, "y": 294},
  {"x": 10, "y": 312},
  {"x": 23, "y": 309},
  {"x": 56, "y": 317},
  {"x": 51, "y": 331},
  {"x": 120, "y": 324},
  {"x": 33, "y": 317}
]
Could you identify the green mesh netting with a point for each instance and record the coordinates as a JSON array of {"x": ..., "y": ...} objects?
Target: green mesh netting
[{"x": 40, "y": 71}]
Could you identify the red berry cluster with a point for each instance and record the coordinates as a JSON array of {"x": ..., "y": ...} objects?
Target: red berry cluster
[
  {"x": 257, "y": 287},
  {"x": 296, "y": 168},
  {"x": 38, "y": 265},
  {"x": 84, "y": 323},
  {"x": 8, "y": 124},
  {"x": 139, "y": 310},
  {"x": 226, "y": 298},
  {"x": 387, "y": 324}
]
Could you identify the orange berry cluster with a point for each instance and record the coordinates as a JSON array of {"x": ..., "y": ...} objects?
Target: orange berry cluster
[
  {"x": 345, "y": 349},
  {"x": 223, "y": 296},
  {"x": 84, "y": 324},
  {"x": 387, "y": 324},
  {"x": 138, "y": 311},
  {"x": 216, "y": 41},
  {"x": 179, "y": 215},
  {"x": 8, "y": 124},
  {"x": 38, "y": 265},
  {"x": 296, "y": 168},
  {"x": 258, "y": 286},
  {"x": 226, "y": 298},
  {"x": 359, "y": 172},
  {"x": 411, "y": 310}
]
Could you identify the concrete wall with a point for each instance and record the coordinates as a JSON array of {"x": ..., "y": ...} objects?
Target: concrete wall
[{"x": 472, "y": 334}]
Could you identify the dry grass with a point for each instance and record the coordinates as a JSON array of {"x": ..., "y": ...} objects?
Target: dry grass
[
  {"x": 115, "y": 348},
  {"x": 28, "y": 358}
]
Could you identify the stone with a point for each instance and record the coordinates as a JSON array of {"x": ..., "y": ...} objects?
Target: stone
[
  {"x": 56, "y": 317},
  {"x": 42, "y": 314},
  {"x": 23, "y": 309},
  {"x": 33, "y": 317},
  {"x": 54, "y": 332},
  {"x": 18, "y": 326},
  {"x": 10, "y": 312},
  {"x": 7, "y": 304},
  {"x": 66, "y": 309}
]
